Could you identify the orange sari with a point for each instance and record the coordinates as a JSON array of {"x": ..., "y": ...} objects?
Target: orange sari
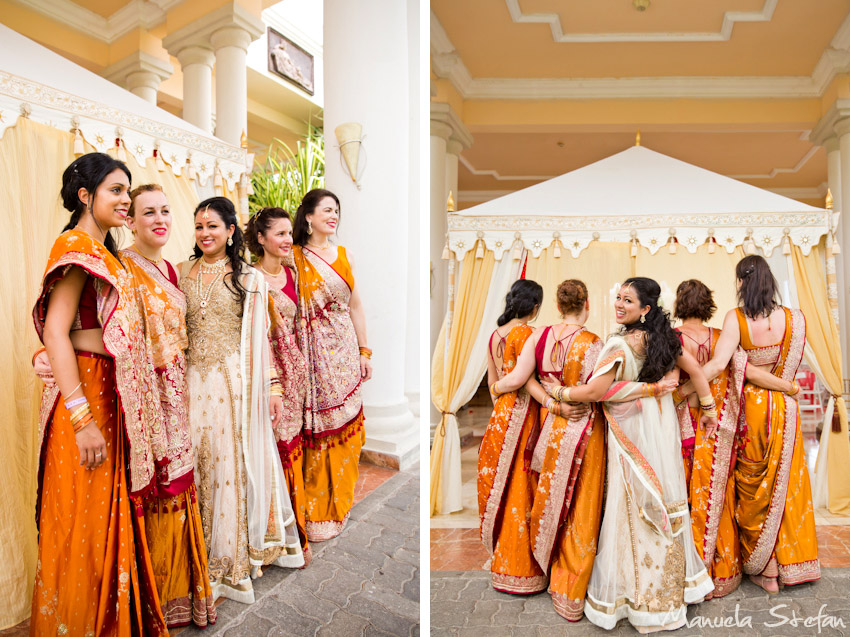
[
  {"x": 712, "y": 487},
  {"x": 506, "y": 485},
  {"x": 94, "y": 573},
  {"x": 292, "y": 372},
  {"x": 333, "y": 417},
  {"x": 172, "y": 519},
  {"x": 567, "y": 509},
  {"x": 776, "y": 521}
]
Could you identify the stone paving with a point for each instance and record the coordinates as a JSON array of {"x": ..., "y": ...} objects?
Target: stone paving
[
  {"x": 464, "y": 604},
  {"x": 364, "y": 582}
]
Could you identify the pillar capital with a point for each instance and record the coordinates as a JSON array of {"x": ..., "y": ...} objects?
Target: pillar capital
[
  {"x": 442, "y": 113},
  {"x": 200, "y": 32},
  {"x": 831, "y": 144},
  {"x": 141, "y": 73},
  {"x": 235, "y": 36},
  {"x": 196, "y": 55}
]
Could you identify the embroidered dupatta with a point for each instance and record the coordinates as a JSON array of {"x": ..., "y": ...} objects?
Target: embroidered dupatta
[
  {"x": 328, "y": 342},
  {"x": 124, "y": 338}
]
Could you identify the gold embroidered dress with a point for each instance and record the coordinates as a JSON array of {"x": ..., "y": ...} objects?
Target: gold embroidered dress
[
  {"x": 333, "y": 424},
  {"x": 245, "y": 508},
  {"x": 647, "y": 568}
]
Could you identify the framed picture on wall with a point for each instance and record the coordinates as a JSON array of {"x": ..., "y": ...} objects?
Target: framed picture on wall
[{"x": 290, "y": 61}]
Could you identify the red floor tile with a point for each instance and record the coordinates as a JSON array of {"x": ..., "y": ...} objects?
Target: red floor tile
[{"x": 371, "y": 477}]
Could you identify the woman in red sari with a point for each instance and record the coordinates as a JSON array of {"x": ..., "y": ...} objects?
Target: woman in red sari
[
  {"x": 333, "y": 340},
  {"x": 94, "y": 572},
  {"x": 269, "y": 236}
]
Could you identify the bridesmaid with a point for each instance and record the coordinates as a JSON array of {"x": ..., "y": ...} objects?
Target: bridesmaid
[
  {"x": 269, "y": 236},
  {"x": 334, "y": 343}
]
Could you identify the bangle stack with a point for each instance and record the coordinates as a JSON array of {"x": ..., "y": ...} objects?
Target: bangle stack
[
  {"x": 550, "y": 403},
  {"x": 677, "y": 396},
  {"x": 795, "y": 388},
  {"x": 708, "y": 406},
  {"x": 494, "y": 390},
  {"x": 562, "y": 394},
  {"x": 81, "y": 417},
  {"x": 365, "y": 351}
]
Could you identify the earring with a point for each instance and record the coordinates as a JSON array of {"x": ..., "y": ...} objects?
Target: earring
[
  {"x": 230, "y": 241},
  {"x": 643, "y": 318},
  {"x": 309, "y": 227}
]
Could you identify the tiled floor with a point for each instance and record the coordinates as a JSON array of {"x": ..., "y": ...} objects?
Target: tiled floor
[
  {"x": 371, "y": 477},
  {"x": 455, "y": 542}
]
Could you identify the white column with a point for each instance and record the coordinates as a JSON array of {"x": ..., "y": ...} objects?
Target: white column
[
  {"x": 440, "y": 133},
  {"x": 231, "y": 83},
  {"x": 140, "y": 73},
  {"x": 842, "y": 129},
  {"x": 453, "y": 150},
  {"x": 367, "y": 80},
  {"x": 197, "y": 63},
  {"x": 833, "y": 155},
  {"x": 144, "y": 84}
]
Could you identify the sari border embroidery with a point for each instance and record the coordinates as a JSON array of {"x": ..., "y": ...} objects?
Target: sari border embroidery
[{"x": 518, "y": 584}]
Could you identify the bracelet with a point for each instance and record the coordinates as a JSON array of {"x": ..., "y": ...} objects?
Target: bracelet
[
  {"x": 711, "y": 413},
  {"x": 276, "y": 390},
  {"x": 365, "y": 351},
  {"x": 84, "y": 422},
  {"x": 493, "y": 389},
  {"x": 565, "y": 394},
  {"x": 706, "y": 400},
  {"x": 70, "y": 404},
  {"x": 74, "y": 391},
  {"x": 76, "y": 415},
  {"x": 37, "y": 352},
  {"x": 795, "y": 388},
  {"x": 550, "y": 402}
]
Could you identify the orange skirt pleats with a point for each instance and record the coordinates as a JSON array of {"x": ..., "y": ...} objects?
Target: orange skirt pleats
[
  {"x": 757, "y": 474},
  {"x": 179, "y": 559},
  {"x": 725, "y": 567},
  {"x": 87, "y": 577},
  {"x": 575, "y": 544},
  {"x": 513, "y": 567},
  {"x": 330, "y": 474},
  {"x": 293, "y": 469}
]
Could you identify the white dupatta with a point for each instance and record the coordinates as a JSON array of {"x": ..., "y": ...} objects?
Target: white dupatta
[{"x": 271, "y": 520}]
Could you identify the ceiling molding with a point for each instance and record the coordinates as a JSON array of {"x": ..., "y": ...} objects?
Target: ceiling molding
[
  {"x": 447, "y": 63},
  {"x": 469, "y": 196},
  {"x": 135, "y": 14},
  {"x": 560, "y": 36},
  {"x": 495, "y": 175},
  {"x": 782, "y": 171}
]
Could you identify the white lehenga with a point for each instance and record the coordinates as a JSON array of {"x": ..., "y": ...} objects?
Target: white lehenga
[
  {"x": 246, "y": 512},
  {"x": 647, "y": 568}
]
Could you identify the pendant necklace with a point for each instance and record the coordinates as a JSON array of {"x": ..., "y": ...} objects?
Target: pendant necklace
[{"x": 216, "y": 269}]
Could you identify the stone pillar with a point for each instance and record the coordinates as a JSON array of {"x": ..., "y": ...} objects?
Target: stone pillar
[
  {"x": 231, "y": 82},
  {"x": 833, "y": 154},
  {"x": 842, "y": 203},
  {"x": 197, "y": 63},
  {"x": 453, "y": 150},
  {"x": 367, "y": 80},
  {"x": 140, "y": 73}
]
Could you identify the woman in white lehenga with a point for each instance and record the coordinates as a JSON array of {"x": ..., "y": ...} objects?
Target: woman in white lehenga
[
  {"x": 647, "y": 568},
  {"x": 234, "y": 397}
]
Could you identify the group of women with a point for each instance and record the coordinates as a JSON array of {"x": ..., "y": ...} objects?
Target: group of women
[
  {"x": 198, "y": 422},
  {"x": 647, "y": 472}
]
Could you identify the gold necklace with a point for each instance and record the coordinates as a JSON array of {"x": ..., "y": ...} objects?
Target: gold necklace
[
  {"x": 324, "y": 247},
  {"x": 216, "y": 269},
  {"x": 279, "y": 272},
  {"x": 156, "y": 262}
]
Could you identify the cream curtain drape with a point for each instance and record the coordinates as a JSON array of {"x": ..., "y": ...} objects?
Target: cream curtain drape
[{"x": 32, "y": 159}]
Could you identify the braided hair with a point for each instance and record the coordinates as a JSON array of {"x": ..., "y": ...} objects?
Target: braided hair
[
  {"x": 223, "y": 207},
  {"x": 88, "y": 171},
  {"x": 663, "y": 347}
]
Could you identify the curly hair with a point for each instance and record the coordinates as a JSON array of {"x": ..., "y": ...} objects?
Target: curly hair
[
  {"x": 571, "y": 295},
  {"x": 663, "y": 347},
  {"x": 694, "y": 300},
  {"x": 223, "y": 207},
  {"x": 260, "y": 224},
  {"x": 88, "y": 171},
  {"x": 521, "y": 300}
]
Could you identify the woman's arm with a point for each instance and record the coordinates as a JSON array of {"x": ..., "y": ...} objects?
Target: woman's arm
[
  {"x": 525, "y": 366},
  {"x": 592, "y": 392},
  {"x": 564, "y": 410},
  {"x": 358, "y": 318},
  {"x": 763, "y": 378},
  {"x": 492, "y": 372},
  {"x": 61, "y": 311},
  {"x": 689, "y": 364}
]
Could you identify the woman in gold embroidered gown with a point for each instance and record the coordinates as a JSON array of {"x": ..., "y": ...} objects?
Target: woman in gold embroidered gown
[
  {"x": 333, "y": 340},
  {"x": 234, "y": 400},
  {"x": 773, "y": 508},
  {"x": 269, "y": 236}
]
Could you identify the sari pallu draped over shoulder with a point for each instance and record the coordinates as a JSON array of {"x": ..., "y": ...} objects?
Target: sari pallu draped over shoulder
[
  {"x": 712, "y": 486},
  {"x": 153, "y": 458},
  {"x": 774, "y": 501},
  {"x": 506, "y": 483},
  {"x": 567, "y": 509},
  {"x": 94, "y": 570}
]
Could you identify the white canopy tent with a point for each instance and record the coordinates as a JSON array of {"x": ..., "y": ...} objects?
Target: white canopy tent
[
  {"x": 50, "y": 111},
  {"x": 603, "y": 223}
]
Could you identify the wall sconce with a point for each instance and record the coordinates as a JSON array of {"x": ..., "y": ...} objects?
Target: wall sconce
[{"x": 350, "y": 144}]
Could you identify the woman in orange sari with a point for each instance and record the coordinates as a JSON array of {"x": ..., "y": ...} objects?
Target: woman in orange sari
[
  {"x": 94, "y": 573},
  {"x": 773, "y": 508},
  {"x": 506, "y": 484},
  {"x": 333, "y": 340},
  {"x": 269, "y": 236},
  {"x": 569, "y": 455}
]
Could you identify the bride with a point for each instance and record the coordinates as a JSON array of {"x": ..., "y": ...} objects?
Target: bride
[{"x": 650, "y": 572}]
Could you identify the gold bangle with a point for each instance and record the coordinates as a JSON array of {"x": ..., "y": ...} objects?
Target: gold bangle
[
  {"x": 566, "y": 395},
  {"x": 84, "y": 422},
  {"x": 365, "y": 351},
  {"x": 79, "y": 413},
  {"x": 677, "y": 396},
  {"x": 493, "y": 389}
]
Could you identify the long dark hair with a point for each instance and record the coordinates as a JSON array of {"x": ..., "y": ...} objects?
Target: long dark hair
[
  {"x": 662, "y": 345},
  {"x": 88, "y": 171},
  {"x": 521, "y": 300},
  {"x": 759, "y": 291},
  {"x": 260, "y": 224},
  {"x": 223, "y": 207},
  {"x": 308, "y": 205}
]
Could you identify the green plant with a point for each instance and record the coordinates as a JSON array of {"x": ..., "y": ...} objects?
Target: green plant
[{"x": 287, "y": 175}]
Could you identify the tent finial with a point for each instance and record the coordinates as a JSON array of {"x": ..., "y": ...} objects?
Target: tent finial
[
  {"x": 450, "y": 204},
  {"x": 637, "y": 138},
  {"x": 828, "y": 203}
]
